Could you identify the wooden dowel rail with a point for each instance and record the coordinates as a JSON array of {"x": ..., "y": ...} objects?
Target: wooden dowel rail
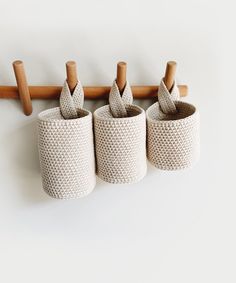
[
  {"x": 90, "y": 92},
  {"x": 25, "y": 93}
]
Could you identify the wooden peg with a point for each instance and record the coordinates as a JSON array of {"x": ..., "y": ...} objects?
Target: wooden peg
[
  {"x": 170, "y": 74},
  {"x": 71, "y": 73},
  {"x": 22, "y": 85},
  {"x": 121, "y": 75}
]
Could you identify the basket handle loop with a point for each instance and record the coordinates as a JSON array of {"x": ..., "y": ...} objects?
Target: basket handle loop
[
  {"x": 120, "y": 93},
  {"x": 72, "y": 94},
  {"x": 168, "y": 91}
]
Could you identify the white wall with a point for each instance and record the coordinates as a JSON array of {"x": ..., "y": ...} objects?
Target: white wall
[{"x": 170, "y": 227}]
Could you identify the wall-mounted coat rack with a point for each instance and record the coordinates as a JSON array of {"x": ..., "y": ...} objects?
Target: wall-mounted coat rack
[{"x": 25, "y": 93}]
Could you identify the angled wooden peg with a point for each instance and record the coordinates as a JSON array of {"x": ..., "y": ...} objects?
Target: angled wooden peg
[
  {"x": 71, "y": 73},
  {"x": 121, "y": 75},
  {"x": 22, "y": 86},
  {"x": 170, "y": 74}
]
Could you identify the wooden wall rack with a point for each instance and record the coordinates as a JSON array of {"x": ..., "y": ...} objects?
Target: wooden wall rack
[{"x": 25, "y": 93}]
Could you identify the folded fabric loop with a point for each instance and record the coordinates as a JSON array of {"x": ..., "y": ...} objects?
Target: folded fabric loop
[
  {"x": 70, "y": 103},
  {"x": 167, "y": 98},
  {"x": 118, "y": 102}
]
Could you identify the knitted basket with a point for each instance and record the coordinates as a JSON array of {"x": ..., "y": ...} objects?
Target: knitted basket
[
  {"x": 120, "y": 139},
  {"x": 172, "y": 131},
  {"x": 66, "y": 147}
]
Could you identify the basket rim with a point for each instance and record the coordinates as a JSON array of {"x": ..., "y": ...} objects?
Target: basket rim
[
  {"x": 178, "y": 121},
  {"x": 113, "y": 119},
  {"x": 42, "y": 116}
]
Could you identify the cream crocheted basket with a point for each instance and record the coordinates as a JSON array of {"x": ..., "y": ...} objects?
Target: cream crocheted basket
[
  {"x": 66, "y": 147},
  {"x": 120, "y": 139},
  {"x": 172, "y": 131}
]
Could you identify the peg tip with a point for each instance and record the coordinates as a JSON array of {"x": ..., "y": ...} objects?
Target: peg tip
[
  {"x": 171, "y": 63},
  {"x": 28, "y": 112},
  {"x": 121, "y": 64},
  {"x": 71, "y": 63},
  {"x": 17, "y": 63}
]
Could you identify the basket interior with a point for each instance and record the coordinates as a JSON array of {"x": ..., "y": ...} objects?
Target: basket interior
[
  {"x": 184, "y": 110},
  {"x": 105, "y": 113},
  {"x": 55, "y": 114}
]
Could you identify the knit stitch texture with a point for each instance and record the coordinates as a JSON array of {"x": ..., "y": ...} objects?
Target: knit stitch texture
[
  {"x": 66, "y": 147},
  {"x": 172, "y": 131},
  {"x": 120, "y": 139}
]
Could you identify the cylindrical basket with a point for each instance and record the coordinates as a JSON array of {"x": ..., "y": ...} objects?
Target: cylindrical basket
[
  {"x": 66, "y": 153},
  {"x": 120, "y": 142},
  {"x": 172, "y": 131},
  {"x": 173, "y": 140}
]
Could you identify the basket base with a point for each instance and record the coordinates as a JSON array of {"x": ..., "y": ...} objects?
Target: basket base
[
  {"x": 123, "y": 181},
  {"x": 69, "y": 196}
]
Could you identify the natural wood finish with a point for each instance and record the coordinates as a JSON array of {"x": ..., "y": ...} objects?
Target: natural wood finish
[
  {"x": 71, "y": 73},
  {"x": 90, "y": 92},
  {"x": 170, "y": 74},
  {"x": 121, "y": 75},
  {"x": 22, "y": 87}
]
